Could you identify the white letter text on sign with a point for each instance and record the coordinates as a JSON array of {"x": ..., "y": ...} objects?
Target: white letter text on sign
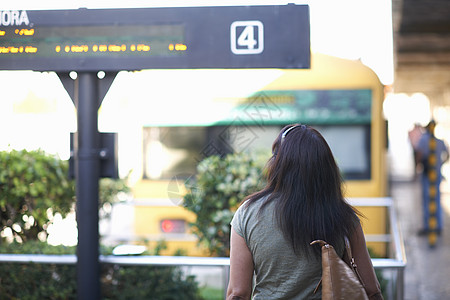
[{"x": 247, "y": 37}]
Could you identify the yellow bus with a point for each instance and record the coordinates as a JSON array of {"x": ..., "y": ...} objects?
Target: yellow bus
[{"x": 343, "y": 99}]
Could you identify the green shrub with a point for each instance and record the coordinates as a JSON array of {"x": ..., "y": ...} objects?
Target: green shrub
[
  {"x": 35, "y": 186},
  {"x": 147, "y": 282},
  {"x": 219, "y": 186},
  {"x": 32, "y": 281},
  {"x": 37, "y": 281}
]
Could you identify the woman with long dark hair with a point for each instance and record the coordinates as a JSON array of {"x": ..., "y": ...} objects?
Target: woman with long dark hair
[{"x": 302, "y": 202}]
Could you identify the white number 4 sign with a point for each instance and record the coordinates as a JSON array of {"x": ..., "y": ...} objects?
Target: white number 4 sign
[{"x": 247, "y": 37}]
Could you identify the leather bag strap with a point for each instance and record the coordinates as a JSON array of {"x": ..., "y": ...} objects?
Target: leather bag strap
[
  {"x": 351, "y": 259},
  {"x": 348, "y": 248}
]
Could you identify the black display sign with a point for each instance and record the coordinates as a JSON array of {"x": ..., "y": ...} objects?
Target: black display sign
[{"x": 155, "y": 38}]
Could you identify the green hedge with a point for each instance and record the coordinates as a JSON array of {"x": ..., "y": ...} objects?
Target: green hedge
[
  {"x": 55, "y": 281},
  {"x": 220, "y": 184},
  {"x": 37, "y": 281}
]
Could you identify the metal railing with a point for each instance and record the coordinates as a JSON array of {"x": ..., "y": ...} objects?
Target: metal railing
[{"x": 396, "y": 263}]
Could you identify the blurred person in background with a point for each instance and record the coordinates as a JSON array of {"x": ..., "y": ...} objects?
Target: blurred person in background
[
  {"x": 414, "y": 137},
  {"x": 431, "y": 153}
]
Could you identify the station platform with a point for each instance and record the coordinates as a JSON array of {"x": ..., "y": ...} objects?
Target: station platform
[{"x": 427, "y": 270}]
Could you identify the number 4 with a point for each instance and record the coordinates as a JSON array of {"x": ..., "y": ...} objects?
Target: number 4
[
  {"x": 247, "y": 38},
  {"x": 246, "y": 42}
]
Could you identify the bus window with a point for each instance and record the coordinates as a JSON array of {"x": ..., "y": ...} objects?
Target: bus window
[
  {"x": 171, "y": 151},
  {"x": 249, "y": 138},
  {"x": 350, "y": 144},
  {"x": 351, "y": 148}
]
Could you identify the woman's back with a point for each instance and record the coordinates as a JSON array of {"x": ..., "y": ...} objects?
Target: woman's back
[
  {"x": 302, "y": 201},
  {"x": 281, "y": 274}
]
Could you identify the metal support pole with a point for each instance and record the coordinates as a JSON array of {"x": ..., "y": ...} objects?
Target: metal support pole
[
  {"x": 87, "y": 166},
  {"x": 87, "y": 93}
]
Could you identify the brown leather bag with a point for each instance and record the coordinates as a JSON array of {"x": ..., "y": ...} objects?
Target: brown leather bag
[{"x": 339, "y": 280}]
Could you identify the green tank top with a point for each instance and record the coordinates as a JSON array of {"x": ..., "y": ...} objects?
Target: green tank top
[{"x": 279, "y": 273}]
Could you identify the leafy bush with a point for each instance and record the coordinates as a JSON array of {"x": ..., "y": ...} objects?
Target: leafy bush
[
  {"x": 214, "y": 195},
  {"x": 35, "y": 247},
  {"x": 37, "y": 281},
  {"x": 147, "y": 282},
  {"x": 34, "y": 187},
  {"x": 31, "y": 281}
]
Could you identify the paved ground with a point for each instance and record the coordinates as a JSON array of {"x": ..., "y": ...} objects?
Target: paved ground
[{"x": 427, "y": 273}]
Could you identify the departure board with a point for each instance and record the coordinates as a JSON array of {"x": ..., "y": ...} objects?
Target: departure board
[
  {"x": 154, "y": 38},
  {"x": 95, "y": 41}
]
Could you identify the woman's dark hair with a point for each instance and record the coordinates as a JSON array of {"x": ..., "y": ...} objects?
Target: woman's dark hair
[{"x": 304, "y": 180}]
